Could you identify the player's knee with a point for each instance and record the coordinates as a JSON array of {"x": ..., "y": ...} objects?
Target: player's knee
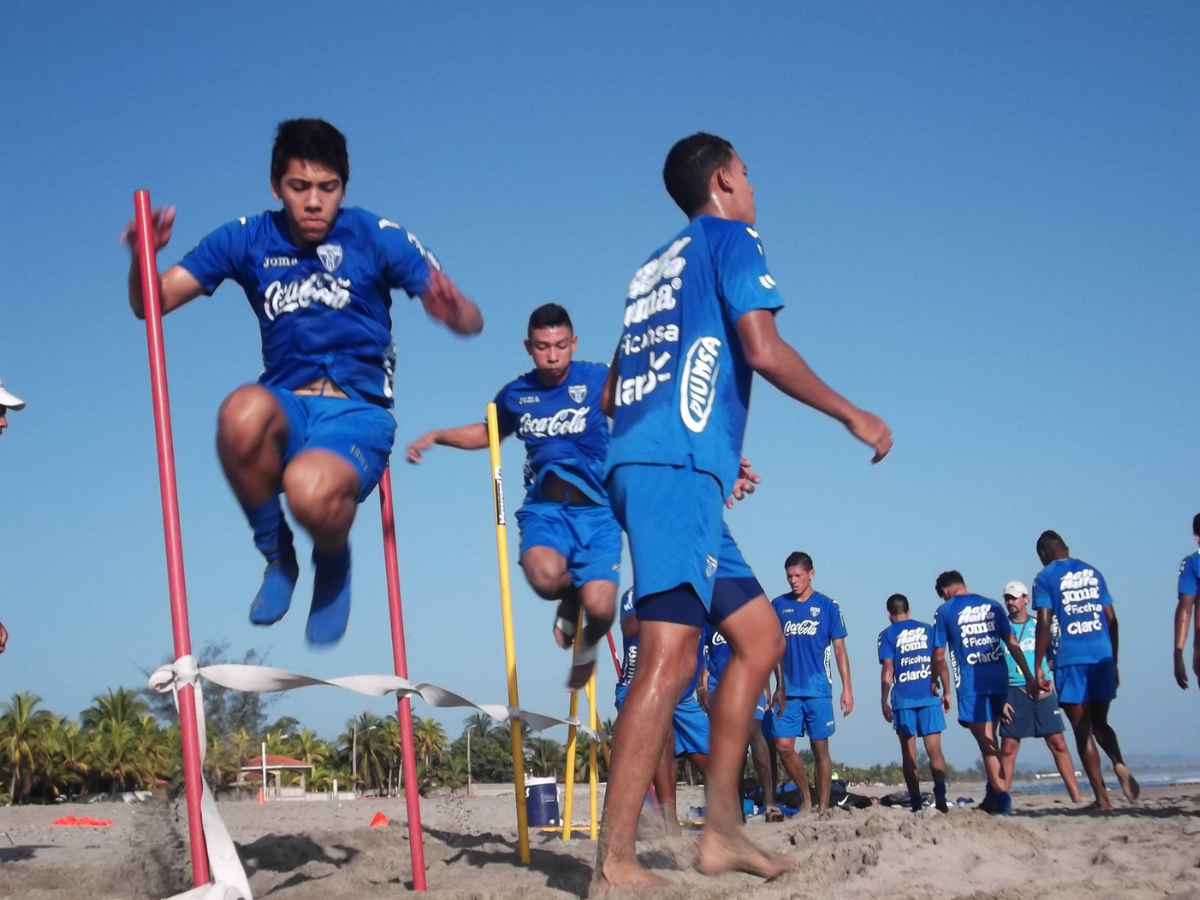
[
  {"x": 785, "y": 747},
  {"x": 246, "y": 420},
  {"x": 545, "y": 574},
  {"x": 319, "y": 492}
]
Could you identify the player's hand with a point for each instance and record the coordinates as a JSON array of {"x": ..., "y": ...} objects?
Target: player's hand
[
  {"x": 702, "y": 696},
  {"x": 3, "y": 638},
  {"x": 779, "y": 701},
  {"x": 847, "y": 701},
  {"x": 1043, "y": 680},
  {"x": 1033, "y": 690},
  {"x": 1117, "y": 674},
  {"x": 1007, "y": 715},
  {"x": 744, "y": 486},
  {"x": 445, "y": 302},
  {"x": 414, "y": 450},
  {"x": 872, "y": 431},
  {"x": 945, "y": 703},
  {"x": 1196, "y": 661},
  {"x": 163, "y": 219},
  {"x": 887, "y": 711},
  {"x": 1181, "y": 676}
]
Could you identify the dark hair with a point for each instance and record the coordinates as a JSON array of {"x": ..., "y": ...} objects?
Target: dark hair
[
  {"x": 312, "y": 139},
  {"x": 947, "y": 579},
  {"x": 1049, "y": 542},
  {"x": 799, "y": 558},
  {"x": 689, "y": 167},
  {"x": 549, "y": 315},
  {"x": 1196, "y": 524},
  {"x": 897, "y": 604}
]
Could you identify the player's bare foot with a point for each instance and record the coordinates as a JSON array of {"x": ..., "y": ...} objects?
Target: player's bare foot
[
  {"x": 619, "y": 874},
  {"x": 1129, "y": 785},
  {"x": 1099, "y": 806},
  {"x": 720, "y": 853},
  {"x": 580, "y": 673}
]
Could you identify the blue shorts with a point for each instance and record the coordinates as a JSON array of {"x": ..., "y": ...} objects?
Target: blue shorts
[
  {"x": 975, "y": 708},
  {"x": 691, "y": 727},
  {"x": 587, "y": 536},
  {"x": 674, "y": 517},
  {"x": 1095, "y": 683},
  {"x": 760, "y": 708},
  {"x": 920, "y": 721},
  {"x": 359, "y": 432},
  {"x": 689, "y": 721},
  {"x": 810, "y": 717},
  {"x": 1029, "y": 719}
]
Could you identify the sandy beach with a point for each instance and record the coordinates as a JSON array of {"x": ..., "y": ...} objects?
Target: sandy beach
[{"x": 309, "y": 850}]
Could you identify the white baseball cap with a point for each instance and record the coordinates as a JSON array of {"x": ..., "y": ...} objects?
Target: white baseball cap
[
  {"x": 1015, "y": 589},
  {"x": 10, "y": 400}
]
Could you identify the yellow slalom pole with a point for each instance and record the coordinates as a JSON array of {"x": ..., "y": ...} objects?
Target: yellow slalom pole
[
  {"x": 593, "y": 778},
  {"x": 510, "y": 650},
  {"x": 569, "y": 793}
]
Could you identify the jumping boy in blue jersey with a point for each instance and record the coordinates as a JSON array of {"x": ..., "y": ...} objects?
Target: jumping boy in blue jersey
[
  {"x": 908, "y": 686},
  {"x": 1073, "y": 594},
  {"x": 317, "y": 426},
  {"x": 570, "y": 542},
  {"x": 1189, "y": 590},
  {"x": 813, "y": 628},
  {"x": 690, "y": 721},
  {"x": 699, "y": 321},
  {"x": 977, "y": 632}
]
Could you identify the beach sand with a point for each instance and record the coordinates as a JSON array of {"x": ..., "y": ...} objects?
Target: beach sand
[{"x": 309, "y": 850}]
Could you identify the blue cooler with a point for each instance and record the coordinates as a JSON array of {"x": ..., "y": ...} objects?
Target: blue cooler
[{"x": 541, "y": 802}]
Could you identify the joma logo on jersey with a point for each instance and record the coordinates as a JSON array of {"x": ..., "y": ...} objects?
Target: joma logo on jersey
[
  {"x": 330, "y": 256},
  {"x": 525, "y": 401},
  {"x": 279, "y": 262},
  {"x": 697, "y": 384},
  {"x": 563, "y": 422},
  {"x": 320, "y": 287}
]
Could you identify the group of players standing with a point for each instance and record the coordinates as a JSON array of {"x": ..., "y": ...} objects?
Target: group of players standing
[{"x": 698, "y": 323}]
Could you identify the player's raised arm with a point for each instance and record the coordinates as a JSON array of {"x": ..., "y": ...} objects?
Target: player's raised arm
[
  {"x": 445, "y": 302},
  {"x": 465, "y": 437},
  {"x": 777, "y": 361},
  {"x": 177, "y": 285}
]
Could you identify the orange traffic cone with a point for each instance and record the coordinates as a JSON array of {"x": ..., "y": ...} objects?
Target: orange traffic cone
[
  {"x": 379, "y": 821},
  {"x": 261, "y": 799}
]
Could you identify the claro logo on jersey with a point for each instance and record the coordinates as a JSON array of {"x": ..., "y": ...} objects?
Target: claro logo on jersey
[
  {"x": 698, "y": 383},
  {"x": 320, "y": 287},
  {"x": 563, "y": 422}
]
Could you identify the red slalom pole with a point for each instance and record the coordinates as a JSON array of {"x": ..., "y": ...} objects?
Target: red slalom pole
[
  {"x": 152, "y": 308},
  {"x": 612, "y": 646},
  {"x": 408, "y": 757}
]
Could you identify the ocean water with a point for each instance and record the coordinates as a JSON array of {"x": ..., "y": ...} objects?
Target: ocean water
[{"x": 1149, "y": 780}]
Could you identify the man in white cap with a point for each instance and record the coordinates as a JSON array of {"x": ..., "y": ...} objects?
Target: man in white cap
[
  {"x": 8, "y": 401},
  {"x": 1027, "y": 718}
]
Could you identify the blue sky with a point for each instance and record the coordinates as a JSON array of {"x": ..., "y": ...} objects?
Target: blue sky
[{"x": 983, "y": 221}]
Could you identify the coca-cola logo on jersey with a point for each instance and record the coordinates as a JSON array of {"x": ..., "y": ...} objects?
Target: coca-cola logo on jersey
[
  {"x": 320, "y": 287},
  {"x": 807, "y": 627},
  {"x": 562, "y": 423}
]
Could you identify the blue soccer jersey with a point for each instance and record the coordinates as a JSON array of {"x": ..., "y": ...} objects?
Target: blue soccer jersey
[
  {"x": 325, "y": 310},
  {"x": 909, "y": 645},
  {"x": 975, "y": 629},
  {"x": 1189, "y": 575},
  {"x": 809, "y": 629},
  {"x": 683, "y": 384},
  {"x": 562, "y": 427},
  {"x": 1076, "y": 595},
  {"x": 719, "y": 652}
]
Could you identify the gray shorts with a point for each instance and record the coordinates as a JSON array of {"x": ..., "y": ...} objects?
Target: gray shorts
[{"x": 1029, "y": 719}]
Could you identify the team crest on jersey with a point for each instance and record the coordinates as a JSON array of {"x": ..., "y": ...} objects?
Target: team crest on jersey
[
  {"x": 815, "y": 610},
  {"x": 578, "y": 392},
  {"x": 330, "y": 256}
]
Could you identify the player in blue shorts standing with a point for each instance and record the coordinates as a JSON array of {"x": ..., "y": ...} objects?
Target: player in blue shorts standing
[
  {"x": 909, "y": 696},
  {"x": 1073, "y": 594},
  {"x": 699, "y": 321},
  {"x": 977, "y": 632},
  {"x": 317, "y": 426},
  {"x": 690, "y": 721},
  {"x": 813, "y": 629},
  {"x": 570, "y": 542},
  {"x": 716, "y": 657},
  {"x": 1025, "y": 718},
  {"x": 1189, "y": 590}
]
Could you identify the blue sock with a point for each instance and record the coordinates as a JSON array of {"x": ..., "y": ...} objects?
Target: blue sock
[
  {"x": 330, "y": 609},
  {"x": 273, "y": 538},
  {"x": 939, "y": 795},
  {"x": 914, "y": 800}
]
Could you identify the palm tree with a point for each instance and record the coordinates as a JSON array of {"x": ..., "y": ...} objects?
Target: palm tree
[
  {"x": 243, "y": 744},
  {"x": 23, "y": 734},
  {"x": 430, "y": 739},
  {"x": 115, "y": 756},
  {"x": 547, "y": 755},
  {"x": 219, "y": 760},
  {"x": 308, "y": 747},
  {"x": 373, "y": 748},
  {"x": 483, "y": 723},
  {"x": 454, "y": 773},
  {"x": 73, "y": 751},
  {"x": 121, "y": 705}
]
